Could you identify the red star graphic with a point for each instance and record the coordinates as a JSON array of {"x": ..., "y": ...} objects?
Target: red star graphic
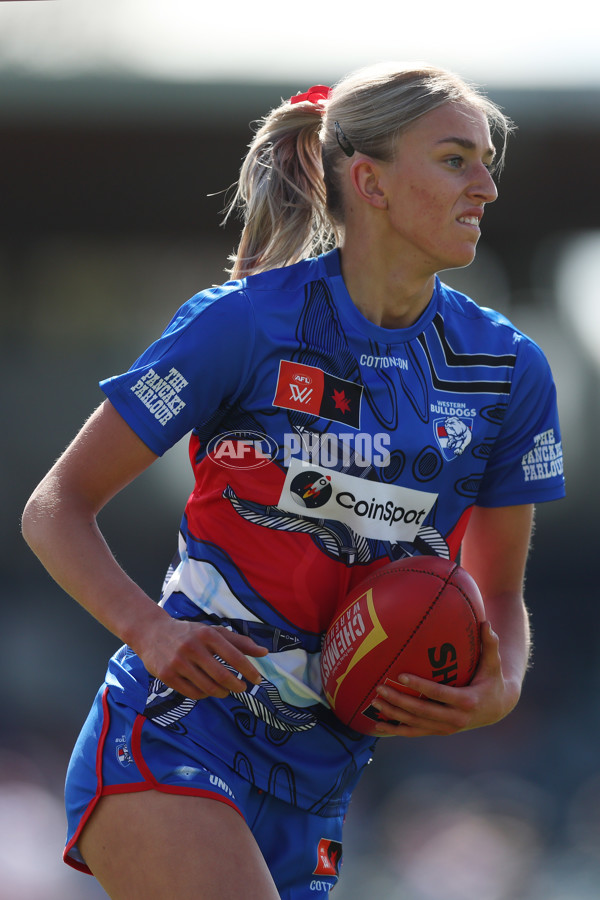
[{"x": 341, "y": 401}]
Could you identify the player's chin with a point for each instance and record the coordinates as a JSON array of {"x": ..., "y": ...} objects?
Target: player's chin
[{"x": 462, "y": 257}]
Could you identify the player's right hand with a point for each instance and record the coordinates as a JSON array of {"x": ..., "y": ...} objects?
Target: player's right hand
[{"x": 189, "y": 657}]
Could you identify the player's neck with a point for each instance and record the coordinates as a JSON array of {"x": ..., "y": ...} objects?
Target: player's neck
[{"x": 392, "y": 295}]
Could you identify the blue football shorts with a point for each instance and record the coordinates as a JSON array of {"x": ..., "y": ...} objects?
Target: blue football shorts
[{"x": 120, "y": 751}]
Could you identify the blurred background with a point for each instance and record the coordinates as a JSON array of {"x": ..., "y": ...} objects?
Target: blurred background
[{"x": 122, "y": 124}]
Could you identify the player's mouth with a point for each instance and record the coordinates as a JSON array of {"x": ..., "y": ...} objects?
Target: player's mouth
[{"x": 470, "y": 220}]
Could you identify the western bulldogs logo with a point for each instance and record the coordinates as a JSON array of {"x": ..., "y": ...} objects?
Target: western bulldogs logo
[
  {"x": 311, "y": 489},
  {"x": 453, "y": 435},
  {"x": 122, "y": 751}
]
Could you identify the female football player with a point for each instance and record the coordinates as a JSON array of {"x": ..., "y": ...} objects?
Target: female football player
[{"x": 345, "y": 408}]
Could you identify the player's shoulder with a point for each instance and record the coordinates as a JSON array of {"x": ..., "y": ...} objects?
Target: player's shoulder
[
  {"x": 244, "y": 302},
  {"x": 465, "y": 309},
  {"x": 261, "y": 290},
  {"x": 224, "y": 300},
  {"x": 466, "y": 321},
  {"x": 287, "y": 279}
]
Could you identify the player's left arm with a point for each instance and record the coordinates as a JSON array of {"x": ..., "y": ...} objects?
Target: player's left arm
[{"x": 494, "y": 551}]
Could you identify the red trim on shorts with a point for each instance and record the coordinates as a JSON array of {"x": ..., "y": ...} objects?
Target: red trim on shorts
[
  {"x": 92, "y": 804},
  {"x": 149, "y": 784},
  {"x": 136, "y": 752}
]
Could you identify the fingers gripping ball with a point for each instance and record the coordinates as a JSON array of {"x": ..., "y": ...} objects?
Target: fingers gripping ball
[{"x": 419, "y": 616}]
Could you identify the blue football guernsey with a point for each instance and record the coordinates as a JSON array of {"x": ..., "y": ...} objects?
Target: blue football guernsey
[{"x": 322, "y": 446}]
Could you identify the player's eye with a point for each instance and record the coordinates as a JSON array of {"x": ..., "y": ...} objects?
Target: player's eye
[{"x": 455, "y": 162}]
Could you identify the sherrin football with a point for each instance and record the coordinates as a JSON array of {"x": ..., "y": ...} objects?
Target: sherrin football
[{"x": 418, "y": 616}]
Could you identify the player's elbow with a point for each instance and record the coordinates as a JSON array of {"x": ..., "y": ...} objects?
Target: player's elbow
[
  {"x": 33, "y": 519},
  {"x": 41, "y": 514}
]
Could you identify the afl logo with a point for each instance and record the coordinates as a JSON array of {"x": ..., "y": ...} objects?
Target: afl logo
[
  {"x": 242, "y": 449},
  {"x": 311, "y": 489},
  {"x": 302, "y": 379}
]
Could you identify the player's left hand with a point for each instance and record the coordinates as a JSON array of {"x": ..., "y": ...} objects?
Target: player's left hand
[{"x": 442, "y": 709}]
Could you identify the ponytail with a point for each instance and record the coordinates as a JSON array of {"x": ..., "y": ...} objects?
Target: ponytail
[{"x": 281, "y": 193}]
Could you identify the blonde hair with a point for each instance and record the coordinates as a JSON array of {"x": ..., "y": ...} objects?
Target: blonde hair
[{"x": 289, "y": 191}]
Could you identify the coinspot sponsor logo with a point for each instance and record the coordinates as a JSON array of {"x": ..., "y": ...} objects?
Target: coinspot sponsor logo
[
  {"x": 242, "y": 449},
  {"x": 371, "y": 508}
]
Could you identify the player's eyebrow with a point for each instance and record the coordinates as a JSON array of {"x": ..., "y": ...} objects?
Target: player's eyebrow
[{"x": 467, "y": 144}]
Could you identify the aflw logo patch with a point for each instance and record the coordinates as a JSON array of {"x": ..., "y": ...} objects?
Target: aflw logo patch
[
  {"x": 313, "y": 391},
  {"x": 329, "y": 857}
]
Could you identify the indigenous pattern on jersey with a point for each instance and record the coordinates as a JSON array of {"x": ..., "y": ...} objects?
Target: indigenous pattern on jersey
[{"x": 322, "y": 446}]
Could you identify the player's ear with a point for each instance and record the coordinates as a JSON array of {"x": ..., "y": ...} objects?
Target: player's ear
[{"x": 365, "y": 177}]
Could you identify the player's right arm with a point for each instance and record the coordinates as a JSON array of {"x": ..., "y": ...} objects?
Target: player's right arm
[{"x": 60, "y": 526}]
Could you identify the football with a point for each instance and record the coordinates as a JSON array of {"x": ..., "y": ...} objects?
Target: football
[{"x": 419, "y": 616}]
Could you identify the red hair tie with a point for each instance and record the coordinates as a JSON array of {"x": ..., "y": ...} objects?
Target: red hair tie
[{"x": 314, "y": 94}]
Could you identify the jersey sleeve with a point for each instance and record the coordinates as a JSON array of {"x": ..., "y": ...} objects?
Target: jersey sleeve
[
  {"x": 198, "y": 365},
  {"x": 526, "y": 463}
]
